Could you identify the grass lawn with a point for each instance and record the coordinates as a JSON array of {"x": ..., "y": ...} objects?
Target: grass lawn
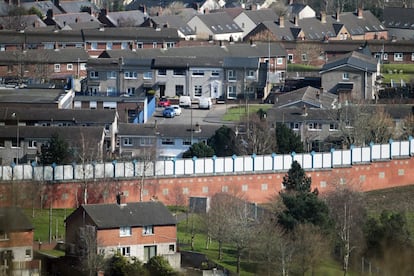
[
  {"x": 396, "y": 72},
  {"x": 236, "y": 113},
  {"x": 43, "y": 221}
]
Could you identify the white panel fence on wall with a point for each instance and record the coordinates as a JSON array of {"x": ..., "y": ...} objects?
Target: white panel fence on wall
[{"x": 214, "y": 165}]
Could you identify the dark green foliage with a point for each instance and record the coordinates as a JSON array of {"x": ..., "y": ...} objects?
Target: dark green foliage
[
  {"x": 223, "y": 142},
  {"x": 159, "y": 266},
  {"x": 118, "y": 265},
  {"x": 301, "y": 204},
  {"x": 34, "y": 10},
  {"x": 199, "y": 150},
  {"x": 56, "y": 152},
  {"x": 387, "y": 232},
  {"x": 296, "y": 179},
  {"x": 287, "y": 141}
]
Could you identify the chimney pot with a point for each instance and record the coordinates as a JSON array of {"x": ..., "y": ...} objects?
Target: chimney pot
[{"x": 281, "y": 21}]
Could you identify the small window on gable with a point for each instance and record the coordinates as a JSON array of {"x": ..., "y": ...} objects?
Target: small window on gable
[{"x": 345, "y": 76}]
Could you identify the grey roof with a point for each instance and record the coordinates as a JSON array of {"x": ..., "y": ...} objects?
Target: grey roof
[
  {"x": 31, "y": 96},
  {"x": 130, "y": 33},
  {"x": 76, "y": 6},
  {"x": 23, "y": 22},
  {"x": 219, "y": 23},
  {"x": 42, "y": 6},
  {"x": 359, "y": 26},
  {"x": 241, "y": 62},
  {"x": 401, "y": 18},
  {"x": 74, "y": 18},
  {"x": 167, "y": 130},
  {"x": 309, "y": 96},
  {"x": 137, "y": 214},
  {"x": 258, "y": 16},
  {"x": 355, "y": 60},
  {"x": 13, "y": 219},
  {"x": 64, "y": 55},
  {"x": 173, "y": 21},
  {"x": 184, "y": 62},
  {"x": 96, "y": 116},
  {"x": 297, "y": 114},
  {"x": 315, "y": 29},
  {"x": 131, "y": 18},
  {"x": 39, "y": 36}
]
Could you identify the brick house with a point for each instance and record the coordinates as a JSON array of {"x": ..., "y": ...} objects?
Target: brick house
[
  {"x": 16, "y": 243},
  {"x": 139, "y": 229}
]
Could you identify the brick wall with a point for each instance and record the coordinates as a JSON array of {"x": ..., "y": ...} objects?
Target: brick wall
[{"x": 256, "y": 187}]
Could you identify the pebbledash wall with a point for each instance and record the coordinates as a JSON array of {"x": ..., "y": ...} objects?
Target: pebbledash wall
[{"x": 256, "y": 177}]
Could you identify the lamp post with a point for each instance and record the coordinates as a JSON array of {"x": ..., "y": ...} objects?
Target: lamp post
[{"x": 15, "y": 116}]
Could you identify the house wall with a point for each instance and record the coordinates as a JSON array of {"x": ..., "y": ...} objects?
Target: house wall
[
  {"x": 19, "y": 242},
  {"x": 171, "y": 81},
  {"x": 200, "y": 28}
]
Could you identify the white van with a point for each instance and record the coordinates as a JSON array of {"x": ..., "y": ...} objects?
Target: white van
[
  {"x": 185, "y": 101},
  {"x": 205, "y": 103}
]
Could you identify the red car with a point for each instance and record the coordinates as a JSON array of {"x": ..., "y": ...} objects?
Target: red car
[{"x": 164, "y": 102}]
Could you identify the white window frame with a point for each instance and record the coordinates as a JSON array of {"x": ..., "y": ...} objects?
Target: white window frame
[
  {"x": 279, "y": 61},
  {"x": 94, "y": 45},
  {"x": 32, "y": 144},
  {"x": 385, "y": 56},
  {"x": 250, "y": 74},
  {"x": 197, "y": 73},
  {"x": 412, "y": 56},
  {"x": 69, "y": 67},
  {"x": 231, "y": 75},
  {"x": 290, "y": 58},
  {"x": 128, "y": 75},
  {"x": 125, "y": 231},
  {"x": 398, "y": 56},
  {"x": 231, "y": 89},
  {"x": 109, "y": 45},
  {"x": 345, "y": 76},
  {"x": 198, "y": 90},
  {"x": 94, "y": 74},
  {"x": 304, "y": 57},
  {"x": 126, "y": 251},
  {"x": 314, "y": 126},
  {"x": 215, "y": 73},
  {"x": 154, "y": 45},
  {"x": 124, "y": 45},
  {"x": 295, "y": 126},
  {"x": 147, "y": 75},
  {"x": 333, "y": 127},
  {"x": 56, "y": 67},
  {"x": 127, "y": 142},
  {"x": 148, "y": 230},
  {"x": 111, "y": 75}
]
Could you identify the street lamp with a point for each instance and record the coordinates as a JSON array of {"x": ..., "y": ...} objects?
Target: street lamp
[{"x": 14, "y": 115}]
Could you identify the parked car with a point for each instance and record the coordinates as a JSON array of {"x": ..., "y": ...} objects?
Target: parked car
[
  {"x": 205, "y": 103},
  {"x": 169, "y": 112},
  {"x": 177, "y": 109},
  {"x": 185, "y": 101},
  {"x": 164, "y": 102}
]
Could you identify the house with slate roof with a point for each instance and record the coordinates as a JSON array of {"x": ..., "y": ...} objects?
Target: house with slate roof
[
  {"x": 216, "y": 26},
  {"x": 16, "y": 243},
  {"x": 134, "y": 229},
  {"x": 400, "y": 22},
  {"x": 248, "y": 20},
  {"x": 23, "y": 22},
  {"x": 171, "y": 21},
  {"x": 352, "y": 77},
  {"x": 133, "y": 18},
  {"x": 70, "y": 21}
]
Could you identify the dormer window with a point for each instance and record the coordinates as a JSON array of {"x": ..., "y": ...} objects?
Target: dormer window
[{"x": 148, "y": 230}]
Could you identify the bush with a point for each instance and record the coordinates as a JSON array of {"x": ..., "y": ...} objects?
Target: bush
[{"x": 159, "y": 266}]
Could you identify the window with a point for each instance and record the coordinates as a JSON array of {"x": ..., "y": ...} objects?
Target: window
[
  {"x": 198, "y": 90},
  {"x": 333, "y": 126},
  {"x": 149, "y": 252},
  {"x": 148, "y": 230},
  {"x": 94, "y": 45},
  {"x": 385, "y": 56},
  {"x": 148, "y": 75},
  {"x": 1, "y": 143},
  {"x": 398, "y": 56},
  {"x": 126, "y": 251},
  {"x": 314, "y": 126},
  {"x": 15, "y": 143},
  {"x": 345, "y": 76},
  {"x": 170, "y": 44},
  {"x": 110, "y": 91},
  {"x": 167, "y": 141},
  {"x": 198, "y": 73},
  {"x": 131, "y": 90},
  {"x": 179, "y": 90},
  {"x": 111, "y": 75},
  {"x": 127, "y": 141},
  {"x": 377, "y": 55},
  {"x": 154, "y": 45},
  {"x": 304, "y": 57},
  {"x": 231, "y": 92},
  {"x": 3, "y": 235},
  {"x": 130, "y": 75},
  {"x": 32, "y": 144},
  {"x": 179, "y": 72},
  {"x": 171, "y": 248},
  {"x": 294, "y": 125},
  {"x": 279, "y": 61},
  {"x": 140, "y": 45},
  {"x": 215, "y": 73},
  {"x": 125, "y": 231},
  {"x": 69, "y": 67},
  {"x": 290, "y": 58},
  {"x": 250, "y": 74},
  {"x": 78, "y": 45},
  {"x": 187, "y": 142},
  {"x": 162, "y": 72},
  {"x": 124, "y": 45},
  {"x": 28, "y": 253},
  {"x": 94, "y": 74},
  {"x": 412, "y": 56},
  {"x": 93, "y": 104},
  {"x": 109, "y": 45},
  {"x": 145, "y": 141},
  {"x": 231, "y": 75},
  {"x": 57, "y": 67},
  {"x": 49, "y": 46}
]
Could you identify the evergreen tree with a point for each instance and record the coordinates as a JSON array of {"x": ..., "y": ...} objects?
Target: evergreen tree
[
  {"x": 199, "y": 150},
  {"x": 56, "y": 151},
  {"x": 287, "y": 141},
  {"x": 223, "y": 142}
]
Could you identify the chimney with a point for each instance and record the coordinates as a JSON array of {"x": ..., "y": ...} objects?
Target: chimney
[
  {"x": 337, "y": 15},
  {"x": 103, "y": 12},
  {"x": 120, "y": 199},
  {"x": 281, "y": 21},
  {"x": 323, "y": 17},
  {"x": 320, "y": 90},
  {"x": 296, "y": 20},
  {"x": 360, "y": 13}
]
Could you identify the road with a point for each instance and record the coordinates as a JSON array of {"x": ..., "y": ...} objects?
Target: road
[{"x": 194, "y": 115}]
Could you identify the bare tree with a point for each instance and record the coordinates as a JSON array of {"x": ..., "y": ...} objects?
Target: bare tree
[
  {"x": 87, "y": 249},
  {"x": 146, "y": 165},
  {"x": 258, "y": 138}
]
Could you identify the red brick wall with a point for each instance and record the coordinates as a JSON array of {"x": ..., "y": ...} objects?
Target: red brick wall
[
  {"x": 162, "y": 234},
  {"x": 18, "y": 239},
  {"x": 177, "y": 190}
]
